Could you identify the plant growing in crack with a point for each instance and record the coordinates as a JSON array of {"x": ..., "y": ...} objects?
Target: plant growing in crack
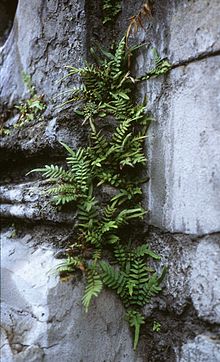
[
  {"x": 114, "y": 157},
  {"x": 27, "y": 110},
  {"x": 31, "y": 108}
]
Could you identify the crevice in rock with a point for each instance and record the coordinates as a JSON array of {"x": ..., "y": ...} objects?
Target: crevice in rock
[
  {"x": 7, "y": 14},
  {"x": 200, "y": 57},
  {"x": 193, "y": 237},
  {"x": 161, "y": 346}
]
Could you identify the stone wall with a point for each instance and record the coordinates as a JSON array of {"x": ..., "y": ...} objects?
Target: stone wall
[{"x": 42, "y": 317}]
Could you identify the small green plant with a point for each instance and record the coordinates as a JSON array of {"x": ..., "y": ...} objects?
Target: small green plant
[
  {"x": 113, "y": 157},
  {"x": 28, "y": 109},
  {"x": 110, "y": 10},
  {"x": 4, "y": 131},
  {"x": 31, "y": 108},
  {"x": 156, "y": 327},
  {"x": 13, "y": 232}
]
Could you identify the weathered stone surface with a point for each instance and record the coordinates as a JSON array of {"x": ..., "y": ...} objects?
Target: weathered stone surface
[
  {"x": 202, "y": 349},
  {"x": 183, "y": 148},
  {"x": 181, "y": 30},
  {"x": 30, "y": 201},
  {"x": 205, "y": 279},
  {"x": 43, "y": 319},
  {"x": 45, "y": 37},
  {"x": 186, "y": 108},
  {"x": 177, "y": 253},
  {"x": 193, "y": 29},
  {"x": 39, "y": 137}
]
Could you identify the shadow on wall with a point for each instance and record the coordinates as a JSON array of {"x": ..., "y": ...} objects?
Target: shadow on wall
[{"x": 7, "y": 14}]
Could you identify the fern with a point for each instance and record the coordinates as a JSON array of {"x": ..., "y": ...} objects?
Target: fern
[
  {"x": 113, "y": 279},
  {"x": 162, "y": 66},
  {"x": 111, "y": 8},
  {"x": 70, "y": 265},
  {"x": 53, "y": 172},
  {"x": 93, "y": 288},
  {"x": 87, "y": 213},
  {"x": 113, "y": 158},
  {"x": 120, "y": 254},
  {"x": 64, "y": 193},
  {"x": 145, "y": 250},
  {"x": 132, "y": 282},
  {"x": 135, "y": 319}
]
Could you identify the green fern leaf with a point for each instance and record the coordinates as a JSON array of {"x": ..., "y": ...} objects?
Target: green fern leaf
[
  {"x": 135, "y": 319},
  {"x": 93, "y": 288},
  {"x": 145, "y": 250}
]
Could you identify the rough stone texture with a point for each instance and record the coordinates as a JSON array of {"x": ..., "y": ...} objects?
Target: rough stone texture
[
  {"x": 30, "y": 201},
  {"x": 202, "y": 349},
  {"x": 194, "y": 29},
  {"x": 184, "y": 153},
  {"x": 205, "y": 279},
  {"x": 41, "y": 137},
  {"x": 42, "y": 317},
  {"x": 183, "y": 143},
  {"x": 46, "y": 36},
  {"x": 177, "y": 253}
]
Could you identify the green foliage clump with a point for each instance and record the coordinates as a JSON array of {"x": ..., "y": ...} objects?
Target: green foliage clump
[
  {"x": 110, "y": 9},
  {"x": 104, "y": 251},
  {"x": 31, "y": 108},
  {"x": 28, "y": 109}
]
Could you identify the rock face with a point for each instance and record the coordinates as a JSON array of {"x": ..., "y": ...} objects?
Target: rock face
[{"x": 42, "y": 317}]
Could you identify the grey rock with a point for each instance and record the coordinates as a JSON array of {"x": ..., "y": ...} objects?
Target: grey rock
[
  {"x": 183, "y": 149},
  {"x": 30, "y": 201},
  {"x": 193, "y": 36},
  {"x": 202, "y": 349},
  {"x": 42, "y": 317},
  {"x": 46, "y": 317},
  {"x": 177, "y": 254},
  {"x": 44, "y": 39},
  {"x": 205, "y": 279},
  {"x": 41, "y": 137},
  {"x": 177, "y": 34}
]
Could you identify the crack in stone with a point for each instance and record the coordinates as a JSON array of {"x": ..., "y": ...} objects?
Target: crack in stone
[{"x": 200, "y": 57}]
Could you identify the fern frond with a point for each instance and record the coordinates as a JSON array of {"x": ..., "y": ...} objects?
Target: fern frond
[
  {"x": 80, "y": 167},
  {"x": 99, "y": 149},
  {"x": 70, "y": 265},
  {"x": 93, "y": 288},
  {"x": 145, "y": 250},
  {"x": 120, "y": 254},
  {"x": 152, "y": 287},
  {"x": 162, "y": 66},
  {"x": 128, "y": 214},
  {"x": 108, "y": 177},
  {"x": 135, "y": 319},
  {"x": 64, "y": 193},
  {"x": 111, "y": 8},
  {"x": 109, "y": 212},
  {"x": 113, "y": 279},
  {"x": 125, "y": 195},
  {"x": 88, "y": 213},
  {"x": 121, "y": 132},
  {"x": 54, "y": 172},
  {"x": 92, "y": 235},
  {"x": 96, "y": 255},
  {"x": 111, "y": 239},
  {"x": 116, "y": 64}
]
